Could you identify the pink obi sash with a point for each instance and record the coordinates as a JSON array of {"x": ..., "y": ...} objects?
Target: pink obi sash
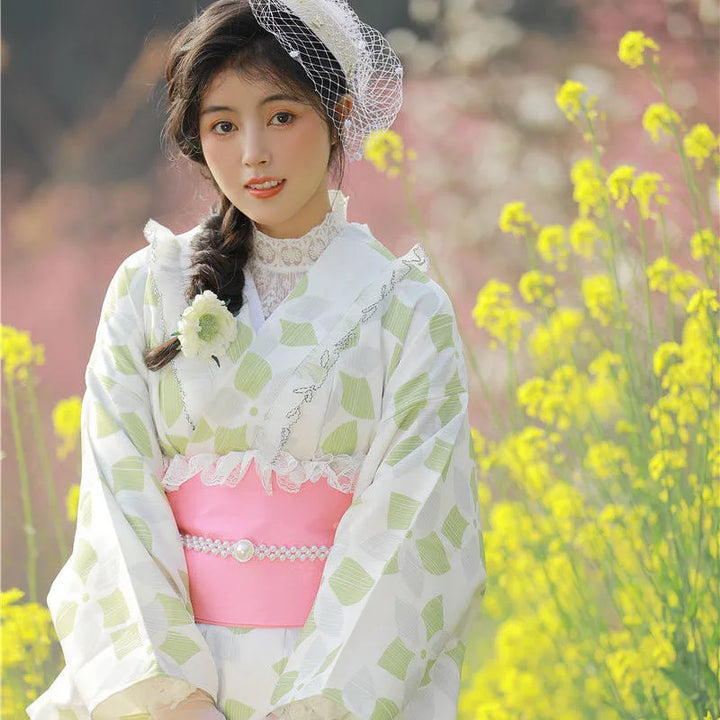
[{"x": 247, "y": 588}]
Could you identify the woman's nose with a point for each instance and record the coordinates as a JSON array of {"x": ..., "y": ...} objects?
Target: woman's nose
[{"x": 255, "y": 150}]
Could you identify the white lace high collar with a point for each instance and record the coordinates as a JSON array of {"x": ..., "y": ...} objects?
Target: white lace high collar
[{"x": 276, "y": 264}]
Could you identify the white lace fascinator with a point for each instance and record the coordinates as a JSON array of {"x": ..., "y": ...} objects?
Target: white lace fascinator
[{"x": 309, "y": 30}]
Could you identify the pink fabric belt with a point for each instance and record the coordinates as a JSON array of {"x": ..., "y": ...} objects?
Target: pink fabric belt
[{"x": 270, "y": 549}]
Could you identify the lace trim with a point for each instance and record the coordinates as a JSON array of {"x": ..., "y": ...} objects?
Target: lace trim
[
  {"x": 277, "y": 264},
  {"x": 339, "y": 471}
]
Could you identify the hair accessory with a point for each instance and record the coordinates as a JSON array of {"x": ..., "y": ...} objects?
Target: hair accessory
[{"x": 310, "y": 31}]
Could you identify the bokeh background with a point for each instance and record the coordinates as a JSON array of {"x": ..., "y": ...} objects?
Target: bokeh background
[{"x": 83, "y": 168}]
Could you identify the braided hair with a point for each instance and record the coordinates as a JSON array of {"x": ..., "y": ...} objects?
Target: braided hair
[{"x": 224, "y": 36}]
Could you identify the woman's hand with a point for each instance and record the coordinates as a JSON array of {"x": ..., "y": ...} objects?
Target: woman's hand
[{"x": 198, "y": 706}]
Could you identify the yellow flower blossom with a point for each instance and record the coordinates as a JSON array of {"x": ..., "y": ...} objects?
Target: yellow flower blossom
[
  {"x": 631, "y": 49},
  {"x": 699, "y": 143},
  {"x": 66, "y": 421},
  {"x": 598, "y": 294},
  {"x": 660, "y": 117},
  {"x": 495, "y": 312},
  {"x": 619, "y": 183},
  {"x": 589, "y": 187},
  {"x": 71, "y": 502},
  {"x": 666, "y": 277},
  {"x": 584, "y": 233},
  {"x": 645, "y": 189},
  {"x": 552, "y": 246},
  {"x": 705, "y": 244},
  {"x": 664, "y": 355},
  {"x": 17, "y": 352},
  {"x": 555, "y": 340},
  {"x": 515, "y": 220},
  {"x": 535, "y": 286},
  {"x": 704, "y": 301},
  {"x": 569, "y": 99},
  {"x": 385, "y": 150}
]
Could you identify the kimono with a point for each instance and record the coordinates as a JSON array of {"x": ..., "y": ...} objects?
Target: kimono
[{"x": 355, "y": 384}]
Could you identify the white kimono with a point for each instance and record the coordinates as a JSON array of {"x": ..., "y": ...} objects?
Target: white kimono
[{"x": 358, "y": 371}]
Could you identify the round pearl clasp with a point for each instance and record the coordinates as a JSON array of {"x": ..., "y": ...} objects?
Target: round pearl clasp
[{"x": 243, "y": 550}]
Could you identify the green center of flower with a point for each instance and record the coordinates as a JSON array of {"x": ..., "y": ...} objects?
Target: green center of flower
[{"x": 208, "y": 327}]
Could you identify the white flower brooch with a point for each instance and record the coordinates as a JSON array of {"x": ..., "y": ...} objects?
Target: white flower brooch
[{"x": 206, "y": 328}]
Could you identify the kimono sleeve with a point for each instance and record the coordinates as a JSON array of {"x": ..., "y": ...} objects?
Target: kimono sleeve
[
  {"x": 120, "y": 604},
  {"x": 386, "y": 636}
]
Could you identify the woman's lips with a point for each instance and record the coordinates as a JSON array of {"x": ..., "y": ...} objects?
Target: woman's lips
[{"x": 265, "y": 193}]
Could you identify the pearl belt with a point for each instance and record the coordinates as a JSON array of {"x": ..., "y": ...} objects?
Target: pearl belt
[{"x": 244, "y": 549}]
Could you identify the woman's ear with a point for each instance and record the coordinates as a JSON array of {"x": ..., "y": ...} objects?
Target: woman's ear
[{"x": 343, "y": 107}]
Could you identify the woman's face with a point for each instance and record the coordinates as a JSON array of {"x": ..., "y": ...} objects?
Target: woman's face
[{"x": 250, "y": 130}]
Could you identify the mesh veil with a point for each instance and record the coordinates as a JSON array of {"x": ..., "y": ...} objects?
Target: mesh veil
[{"x": 326, "y": 36}]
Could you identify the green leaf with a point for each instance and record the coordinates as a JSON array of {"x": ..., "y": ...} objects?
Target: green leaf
[
  {"x": 357, "y": 396},
  {"x": 252, "y": 374},
  {"x": 441, "y": 331},
  {"x": 170, "y": 398},
  {"x": 115, "y": 609},
  {"x": 401, "y": 511},
  {"x": 138, "y": 433},
  {"x": 433, "y": 555},
  {"x": 179, "y": 647},
  {"x": 297, "y": 334},
  {"x": 396, "y": 659},
  {"x": 433, "y": 615},
  {"x": 343, "y": 440},
  {"x": 123, "y": 359},
  {"x": 350, "y": 582},
  {"x": 126, "y": 640},
  {"x": 410, "y": 399}
]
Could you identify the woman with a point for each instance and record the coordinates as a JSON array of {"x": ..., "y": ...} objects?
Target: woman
[{"x": 278, "y": 514}]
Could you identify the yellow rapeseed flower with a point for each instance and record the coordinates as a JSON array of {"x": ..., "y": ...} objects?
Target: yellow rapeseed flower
[
  {"x": 700, "y": 143},
  {"x": 706, "y": 244},
  {"x": 598, "y": 294},
  {"x": 646, "y": 189},
  {"x": 659, "y": 117},
  {"x": 17, "y": 352},
  {"x": 569, "y": 98},
  {"x": 556, "y": 339},
  {"x": 665, "y": 354},
  {"x": 66, "y": 422},
  {"x": 535, "y": 286},
  {"x": 552, "y": 246},
  {"x": 494, "y": 311},
  {"x": 71, "y": 502},
  {"x": 619, "y": 183},
  {"x": 386, "y": 151},
  {"x": 631, "y": 49},
  {"x": 666, "y": 277},
  {"x": 515, "y": 220},
  {"x": 704, "y": 301},
  {"x": 584, "y": 233},
  {"x": 589, "y": 187}
]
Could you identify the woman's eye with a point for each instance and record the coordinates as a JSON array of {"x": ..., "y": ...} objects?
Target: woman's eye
[
  {"x": 222, "y": 124},
  {"x": 288, "y": 117}
]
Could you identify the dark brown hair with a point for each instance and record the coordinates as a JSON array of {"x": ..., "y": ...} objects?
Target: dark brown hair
[{"x": 226, "y": 35}]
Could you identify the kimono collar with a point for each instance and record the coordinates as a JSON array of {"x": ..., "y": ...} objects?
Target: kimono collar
[{"x": 294, "y": 254}]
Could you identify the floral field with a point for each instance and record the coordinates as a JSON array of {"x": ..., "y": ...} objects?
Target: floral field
[{"x": 600, "y": 468}]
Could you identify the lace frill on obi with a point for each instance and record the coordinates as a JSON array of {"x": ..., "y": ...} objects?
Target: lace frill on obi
[{"x": 339, "y": 471}]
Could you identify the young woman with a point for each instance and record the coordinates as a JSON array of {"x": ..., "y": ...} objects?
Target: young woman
[{"x": 278, "y": 514}]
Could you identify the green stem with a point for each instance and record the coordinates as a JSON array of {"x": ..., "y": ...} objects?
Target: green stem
[
  {"x": 47, "y": 467},
  {"x": 29, "y": 528},
  {"x": 666, "y": 252}
]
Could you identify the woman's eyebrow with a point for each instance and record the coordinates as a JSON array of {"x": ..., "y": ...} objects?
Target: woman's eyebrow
[{"x": 264, "y": 101}]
